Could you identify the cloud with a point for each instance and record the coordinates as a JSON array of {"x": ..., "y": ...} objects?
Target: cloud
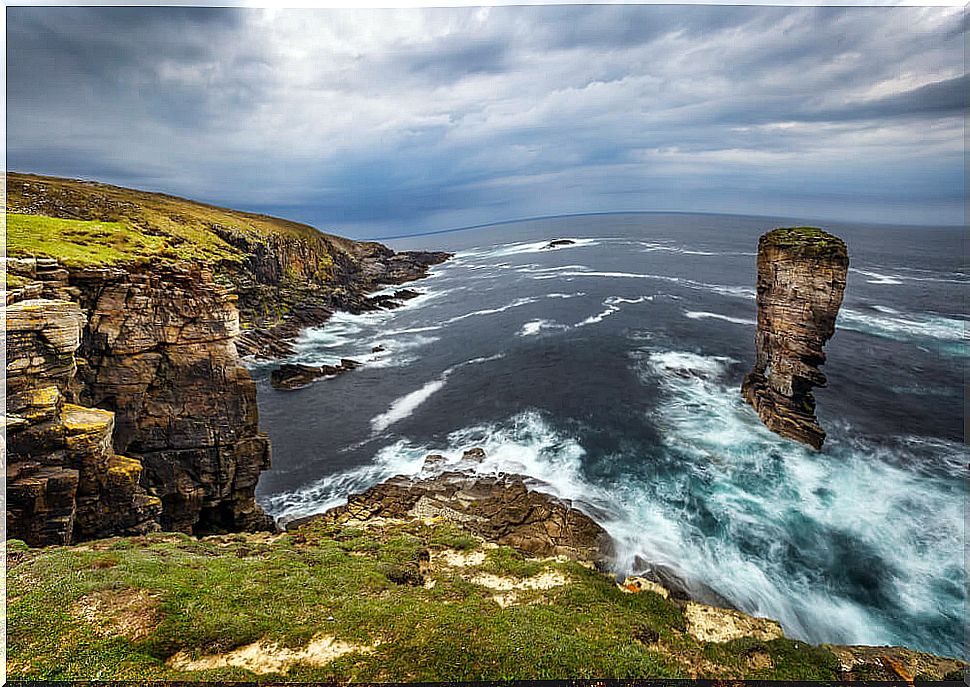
[{"x": 378, "y": 122}]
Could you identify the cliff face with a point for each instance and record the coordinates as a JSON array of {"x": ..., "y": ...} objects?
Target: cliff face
[
  {"x": 64, "y": 479},
  {"x": 128, "y": 314},
  {"x": 801, "y": 281},
  {"x": 287, "y": 275},
  {"x": 139, "y": 363},
  {"x": 159, "y": 351}
]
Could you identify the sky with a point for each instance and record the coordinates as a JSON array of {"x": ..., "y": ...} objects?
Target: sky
[{"x": 374, "y": 123}]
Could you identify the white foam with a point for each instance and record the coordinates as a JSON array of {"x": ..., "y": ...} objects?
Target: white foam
[
  {"x": 520, "y": 248},
  {"x": 877, "y": 278},
  {"x": 892, "y": 324},
  {"x": 760, "y": 487},
  {"x": 406, "y": 405},
  {"x": 896, "y": 278},
  {"x": 612, "y": 304},
  {"x": 701, "y": 315},
  {"x": 534, "y": 327},
  {"x": 517, "y": 303}
]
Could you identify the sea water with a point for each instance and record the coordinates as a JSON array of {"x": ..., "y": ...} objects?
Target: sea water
[{"x": 609, "y": 370}]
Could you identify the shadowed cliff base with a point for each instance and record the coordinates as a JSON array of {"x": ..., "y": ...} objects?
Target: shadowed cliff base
[{"x": 801, "y": 280}]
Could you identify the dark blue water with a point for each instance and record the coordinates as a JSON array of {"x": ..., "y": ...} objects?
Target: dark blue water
[{"x": 610, "y": 370}]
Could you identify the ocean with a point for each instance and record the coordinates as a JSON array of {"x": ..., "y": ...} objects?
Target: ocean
[{"x": 608, "y": 371}]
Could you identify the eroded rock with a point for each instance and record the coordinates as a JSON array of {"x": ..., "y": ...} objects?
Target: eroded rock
[
  {"x": 64, "y": 480},
  {"x": 801, "y": 281},
  {"x": 498, "y": 508}
]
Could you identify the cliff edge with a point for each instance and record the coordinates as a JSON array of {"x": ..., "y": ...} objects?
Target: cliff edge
[{"x": 801, "y": 281}]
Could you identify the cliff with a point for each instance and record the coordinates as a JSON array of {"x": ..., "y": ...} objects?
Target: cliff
[
  {"x": 286, "y": 275},
  {"x": 129, "y": 408},
  {"x": 450, "y": 577},
  {"x": 64, "y": 480},
  {"x": 801, "y": 281}
]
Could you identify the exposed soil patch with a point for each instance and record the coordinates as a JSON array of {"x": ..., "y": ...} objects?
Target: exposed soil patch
[
  {"x": 130, "y": 613},
  {"x": 269, "y": 657}
]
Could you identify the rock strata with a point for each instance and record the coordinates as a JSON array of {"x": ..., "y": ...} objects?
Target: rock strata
[
  {"x": 801, "y": 281},
  {"x": 64, "y": 479},
  {"x": 159, "y": 347},
  {"x": 499, "y": 508}
]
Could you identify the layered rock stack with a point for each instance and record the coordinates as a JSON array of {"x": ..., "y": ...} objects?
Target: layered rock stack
[{"x": 801, "y": 281}]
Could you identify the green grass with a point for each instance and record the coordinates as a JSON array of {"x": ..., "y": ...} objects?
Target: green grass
[
  {"x": 158, "y": 224},
  {"x": 217, "y": 594},
  {"x": 15, "y": 281},
  {"x": 81, "y": 243},
  {"x": 806, "y": 239}
]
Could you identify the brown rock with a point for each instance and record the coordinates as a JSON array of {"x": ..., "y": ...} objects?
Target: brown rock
[
  {"x": 160, "y": 352},
  {"x": 801, "y": 281},
  {"x": 501, "y": 509},
  {"x": 64, "y": 480},
  {"x": 295, "y": 376}
]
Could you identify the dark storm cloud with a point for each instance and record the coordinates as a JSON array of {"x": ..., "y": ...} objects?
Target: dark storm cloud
[
  {"x": 384, "y": 121},
  {"x": 947, "y": 97}
]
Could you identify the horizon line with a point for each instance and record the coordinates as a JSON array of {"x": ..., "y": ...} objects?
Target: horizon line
[{"x": 536, "y": 218}]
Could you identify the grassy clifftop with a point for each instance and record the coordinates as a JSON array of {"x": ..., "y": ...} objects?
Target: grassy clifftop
[
  {"x": 287, "y": 275},
  {"x": 87, "y": 223},
  {"x": 411, "y": 600}
]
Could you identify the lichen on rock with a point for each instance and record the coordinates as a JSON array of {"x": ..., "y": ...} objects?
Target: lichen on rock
[{"x": 801, "y": 282}]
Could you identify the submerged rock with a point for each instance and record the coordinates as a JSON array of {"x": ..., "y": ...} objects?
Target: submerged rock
[
  {"x": 558, "y": 243},
  {"x": 801, "y": 281},
  {"x": 295, "y": 376}
]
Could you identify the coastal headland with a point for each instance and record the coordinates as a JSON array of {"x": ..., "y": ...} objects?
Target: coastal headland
[{"x": 136, "y": 549}]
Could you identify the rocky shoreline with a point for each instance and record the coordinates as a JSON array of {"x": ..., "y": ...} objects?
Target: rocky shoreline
[
  {"x": 510, "y": 510},
  {"x": 130, "y": 411}
]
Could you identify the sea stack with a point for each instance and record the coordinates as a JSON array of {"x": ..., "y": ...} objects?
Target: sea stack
[{"x": 801, "y": 280}]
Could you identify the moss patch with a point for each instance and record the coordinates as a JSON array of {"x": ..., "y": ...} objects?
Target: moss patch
[
  {"x": 808, "y": 240},
  {"x": 15, "y": 281}
]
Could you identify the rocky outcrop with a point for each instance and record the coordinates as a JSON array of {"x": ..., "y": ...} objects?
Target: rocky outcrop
[
  {"x": 801, "y": 281},
  {"x": 159, "y": 351},
  {"x": 295, "y": 376},
  {"x": 499, "y": 508},
  {"x": 277, "y": 304},
  {"x": 127, "y": 382},
  {"x": 64, "y": 480}
]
